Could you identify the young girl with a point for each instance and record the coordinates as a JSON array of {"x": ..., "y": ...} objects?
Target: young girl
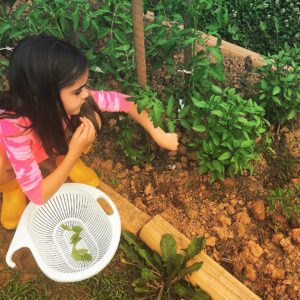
[{"x": 44, "y": 115}]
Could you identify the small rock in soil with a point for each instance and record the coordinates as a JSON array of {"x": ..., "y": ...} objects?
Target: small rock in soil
[
  {"x": 250, "y": 272},
  {"x": 243, "y": 218},
  {"x": 136, "y": 169},
  {"x": 295, "y": 235},
  {"x": 225, "y": 220},
  {"x": 259, "y": 211},
  {"x": 240, "y": 228},
  {"x": 107, "y": 165},
  {"x": 255, "y": 249},
  {"x": 275, "y": 272},
  {"x": 277, "y": 237},
  {"x": 148, "y": 189},
  {"x": 211, "y": 241}
]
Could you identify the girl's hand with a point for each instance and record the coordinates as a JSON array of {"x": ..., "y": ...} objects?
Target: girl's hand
[
  {"x": 83, "y": 137},
  {"x": 168, "y": 141}
]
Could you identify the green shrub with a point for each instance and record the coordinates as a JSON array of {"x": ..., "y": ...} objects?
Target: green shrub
[
  {"x": 279, "y": 88},
  {"x": 260, "y": 25},
  {"x": 228, "y": 128},
  {"x": 103, "y": 32},
  {"x": 162, "y": 277}
]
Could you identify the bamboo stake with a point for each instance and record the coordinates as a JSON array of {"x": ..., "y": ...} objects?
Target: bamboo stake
[
  {"x": 212, "y": 278},
  {"x": 139, "y": 43}
]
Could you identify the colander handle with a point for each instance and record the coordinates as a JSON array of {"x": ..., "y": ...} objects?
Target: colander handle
[
  {"x": 114, "y": 217},
  {"x": 20, "y": 240}
]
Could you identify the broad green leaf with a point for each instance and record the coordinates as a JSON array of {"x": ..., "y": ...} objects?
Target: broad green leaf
[
  {"x": 170, "y": 107},
  {"x": 215, "y": 138},
  {"x": 168, "y": 247},
  {"x": 174, "y": 264},
  {"x": 86, "y": 22},
  {"x": 216, "y": 89},
  {"x": 182, "y": 291},
  {"x": 276, "y": 100},
  {"x": 242, "y": 120},
  {"x": 188, "y": 270},
  {"x": 199, "y": 103},
  {"x": 75, "y": 18},
  {"x": 246, "y": 144},
  {"x": 218, "y": 113},
  {"x": 217, "y": 166},
  {"x": 157, "y": 113},
  {"x": 4, "y": 27},
  {"x": 146, "y": 256},
  {"x": 224, "y": 156},
  {"x": 276, "y": 90},
  {"x": 185, "y": 124},
  {"x": 171, "y": 125},
  {"x": 184, "y": 111},
  {"x": 131, "y": 254},
  {"x": 289, "y": 77},
  {"x": 199, "y": 128},
  {"x": 120, "y": 37},
  {"x": 215, "y": 51},
  {"x": 195, "y": 247},
  {"x": 263, "y": 84},
  {"x": 20, "y": 10},
  {"x": 203, "y": 169},
  {"x": 291, "y": 114}
]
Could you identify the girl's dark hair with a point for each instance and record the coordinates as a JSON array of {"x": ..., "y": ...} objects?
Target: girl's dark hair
[{"x": 40, "y": 66}]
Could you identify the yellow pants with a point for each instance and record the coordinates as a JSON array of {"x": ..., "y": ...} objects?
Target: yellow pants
[
  {"x": 14, "y": 200},
  {"x": 13, "y": 204}
]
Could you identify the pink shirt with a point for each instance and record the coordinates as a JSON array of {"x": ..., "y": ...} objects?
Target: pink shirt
[{"x": 25, "y": 151}]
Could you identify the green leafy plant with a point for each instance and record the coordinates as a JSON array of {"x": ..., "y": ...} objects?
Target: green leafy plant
[
  {"x": 279, "y": 88},
  {"x": 78, "y": 254},
  {"x": 286, "y": 202},
  {"x": 130, "y": 142},
  {"x": 260, "y": 25},
  {"x": 228, "y": 129},
  {"x": 103, "y": 32},
  {"x": 162, "y": 277}
]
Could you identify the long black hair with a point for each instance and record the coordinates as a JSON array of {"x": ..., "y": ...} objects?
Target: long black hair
[{"x": 40, "y": 66}]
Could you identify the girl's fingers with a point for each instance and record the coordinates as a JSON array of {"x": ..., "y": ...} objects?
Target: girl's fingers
[{"x": 88, "y": 129}]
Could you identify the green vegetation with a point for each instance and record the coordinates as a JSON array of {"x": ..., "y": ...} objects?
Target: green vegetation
[
  {"x": 77, "y": 254},
  {"x": 162, "y": 277},
  {"x": 263, "y": 26},
  {"x": 279, "y": 88},
  {"x": 286, "y": 202},
  {"x": 186, "y": 97},
  {"x": 112, "y": 283}
]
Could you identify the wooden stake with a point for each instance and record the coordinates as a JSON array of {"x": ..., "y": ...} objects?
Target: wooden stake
[{"x": 139, "y": 43}]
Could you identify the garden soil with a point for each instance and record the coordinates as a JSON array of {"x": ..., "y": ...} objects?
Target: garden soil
[{"x": 255, "y": 244}]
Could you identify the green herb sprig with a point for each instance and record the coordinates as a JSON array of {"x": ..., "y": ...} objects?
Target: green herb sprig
[{"x": 78, "y": 254}]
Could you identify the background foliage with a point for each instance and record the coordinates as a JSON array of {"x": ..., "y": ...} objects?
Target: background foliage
[{"x": 188, "y": 97}]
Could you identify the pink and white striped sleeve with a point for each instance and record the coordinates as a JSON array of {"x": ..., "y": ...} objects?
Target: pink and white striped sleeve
[
  {"x": 112, "y": 101},
  {"x": 18, "y": 147}
]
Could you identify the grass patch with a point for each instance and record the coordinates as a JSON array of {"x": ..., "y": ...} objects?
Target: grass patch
[{"x": 112, "y": 283}]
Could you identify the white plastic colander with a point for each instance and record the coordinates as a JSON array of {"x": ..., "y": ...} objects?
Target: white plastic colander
[{"x": 73, "y": 205}]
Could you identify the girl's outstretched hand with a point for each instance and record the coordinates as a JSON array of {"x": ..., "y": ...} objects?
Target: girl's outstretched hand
[
  {"x": 83, "y": 137},
  {"x": 168, "y": 141}
]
